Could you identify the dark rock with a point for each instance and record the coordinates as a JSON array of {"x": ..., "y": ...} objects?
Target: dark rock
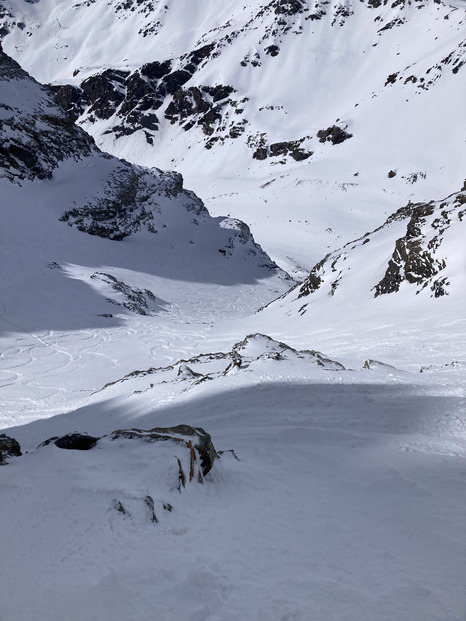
[
  {"x": 311, "y": 284},
  {"x": 76, "y": 442},
  {"x": 156, "y": 70},
  {"x": 411, "y": 259},
  {"x": 28, "y": 157},
  {"x": 202, "y": 53},
  {"x": 185, "y": 104},
  {"x": 260, "y": 154},
  {"x": 140, "y": 301},
  {"x": 219, "y": 92},
  {"x": 334, "y": 134},
  {"x": 9, "y": 447},
  {"x": 391, "y": 78},
  {"x": 173, "y": 81},
  {"x": 139, "y": 94},
  {"x": 101, "y": 91},
  {"x": 191, "y": 437},
  {"x": 34, "y": 142},
  {"x": 151, "y": 506},
  {"x": 72, "y": 99},
  {"x": 272, "y": 50},
  {"x": 289, "y": 7},
  {"x": 290, "y": 148}
]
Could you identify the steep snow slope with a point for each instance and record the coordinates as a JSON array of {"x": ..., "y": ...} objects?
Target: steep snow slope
[
  {"x": 396, "y": 294},
  {"x": 348, "y": 499},
  {"x": 239, "y": 100},
  {"x": 89, "y": 241}
]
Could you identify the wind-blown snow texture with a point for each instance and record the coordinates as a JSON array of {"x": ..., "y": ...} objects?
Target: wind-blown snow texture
[{"x": 338, "y": 410}]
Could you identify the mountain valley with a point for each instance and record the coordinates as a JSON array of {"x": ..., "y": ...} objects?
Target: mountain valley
[{"x": 241, "y": 223}]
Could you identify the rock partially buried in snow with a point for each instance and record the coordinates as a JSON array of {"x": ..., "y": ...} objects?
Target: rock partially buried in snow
[
  {"x": 196, "y": 439},
  {"x": 73, "y": 441},
  {"x": 9, "y": 447}
]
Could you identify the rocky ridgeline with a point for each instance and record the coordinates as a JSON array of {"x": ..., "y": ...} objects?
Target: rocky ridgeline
[
  {"x": 169, "y": 90},
  {"x": 253, "y": 351},
  {"x": 35, "y": 133},
  {"x": 131, "y": 201},
  {"x": 418, "y": 258},
  {"x": 173, "y": 91},
  {"x": 36, "y": 136}
]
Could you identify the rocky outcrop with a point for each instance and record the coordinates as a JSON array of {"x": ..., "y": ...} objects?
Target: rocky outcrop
[
  {"x": 415, "y": 258},
  {"x": 197, "y": 441},
  {"x": 132, "y": 201},
  {"x": 289, "y": 148},
  {"x": 34, "y": 137},
  {"x": 333, "y": 134},
  {"x": 133, "y": 97},
  {"x": 254, "y": 350},
  {"x": 73, "y": 442},
  {"x": 9, "y": 447},
  {"x": 419, "y": 258},
  {"x": 206, "y": 107},
  {"x": 139, "y": 301}
]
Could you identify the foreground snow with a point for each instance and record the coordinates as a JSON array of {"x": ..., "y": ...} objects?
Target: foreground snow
[
  {"x": 346, "y": 412},
  {"x": 347, "y": 502}
]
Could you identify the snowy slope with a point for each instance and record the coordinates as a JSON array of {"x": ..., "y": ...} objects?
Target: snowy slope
[
  {"x": 124, "y": 305},
  {"x": 347, "y": 501},
  {"x": 391, "y": 75},
  {"x": 397, "y": 294},
  {"x": 90, "y": 242}
]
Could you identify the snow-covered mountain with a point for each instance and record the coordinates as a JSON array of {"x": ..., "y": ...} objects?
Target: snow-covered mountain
[
  {"x": 254, "y": 104},
  {"x": 53, "y": 172},
  {"x": 142, "y": 325}
]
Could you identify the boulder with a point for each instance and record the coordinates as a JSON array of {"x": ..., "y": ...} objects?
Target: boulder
[
  {"x": 9, "y": 447},
  {"x": 196, "y": 439},
  {"x": 73, "y": 441}
]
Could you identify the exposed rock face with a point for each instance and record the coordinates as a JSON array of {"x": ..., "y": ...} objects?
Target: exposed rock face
[
  {"x": 419, "y": 257},
  {"x": 34, "y": 138},
  {"x": 140, "y": 301},
  {"x": 291, "y": 148},
  {"x": 334, "y": 134},
  {"x": 9, "y": 447},
  {"x": 76, "y": 442},
  {"x": 413, "y": 260},
  {"x": 134, "y": 97},
  {"x": 131, "y": 202},
  {"x": 207, "y": 107}
]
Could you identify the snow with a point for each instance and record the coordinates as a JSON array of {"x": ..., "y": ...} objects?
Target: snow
[
  {"x": 347, "y": 497},
  {"x": 401, "y": 127}
]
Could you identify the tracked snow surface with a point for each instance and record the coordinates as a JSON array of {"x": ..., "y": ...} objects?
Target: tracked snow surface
[{"x": 312, "y": 460}]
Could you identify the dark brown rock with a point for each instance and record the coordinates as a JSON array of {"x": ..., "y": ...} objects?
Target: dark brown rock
[{"x": 9, "y": 447}]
